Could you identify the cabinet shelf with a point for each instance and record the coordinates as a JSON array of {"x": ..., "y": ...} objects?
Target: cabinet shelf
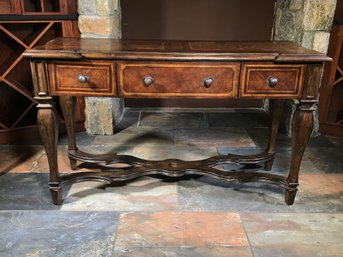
[
  {"x": 10, "y": 52},
  {"x": 29, "y": 118},
  {"x": 20, "y": 88},
  {"x": 25, "y": 33},
  {"x": 12, "y": 103}
]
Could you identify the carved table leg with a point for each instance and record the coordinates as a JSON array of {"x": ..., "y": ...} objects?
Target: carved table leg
[
  {"x": 302, "y": 125},
  {"x": 277, "y": 107},
  {"x": 47, "y": 121},
  {"x": 68, "y": 106}
]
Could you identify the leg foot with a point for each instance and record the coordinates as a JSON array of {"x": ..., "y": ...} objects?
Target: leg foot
[
  {"x": 268, "y": 165},
  {"x": 290, "y": 196},
  {"x": 73, "y": 164},
  {"x": 56, "y": 193}
]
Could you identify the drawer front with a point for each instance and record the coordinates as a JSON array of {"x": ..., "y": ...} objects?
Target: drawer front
[
  {"x": 160, "y": 80},
  {"x": 82, "y": 78},
  {"x": 272, "y": 80}
]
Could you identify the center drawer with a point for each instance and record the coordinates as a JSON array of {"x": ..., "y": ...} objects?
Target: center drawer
[{"x": 177, "y": 79}]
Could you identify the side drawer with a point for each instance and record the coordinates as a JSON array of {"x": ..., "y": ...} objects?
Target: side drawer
[
  {"x": 82, "y": 78},
  {"x": 177, "y": 79},
  {"x": 261, "y": 80}
]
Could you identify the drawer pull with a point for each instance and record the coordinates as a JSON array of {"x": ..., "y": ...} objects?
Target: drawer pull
[
  {"x": 272, "y": 81},
  {"x": 147, "y": 81},
  {"x": 208, "y": 81},
  {"x": 83, "y": 78}
]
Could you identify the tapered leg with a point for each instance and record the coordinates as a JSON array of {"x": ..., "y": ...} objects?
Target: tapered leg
[
  {"x": 277, "y": 107},
  {"x": 302, "y": 125},
  {"x": 68, "y": 106},
  {"x": 47, "y": 121}
]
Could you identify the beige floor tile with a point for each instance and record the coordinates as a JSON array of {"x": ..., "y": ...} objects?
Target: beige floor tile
[
  {"x": 19, "y": 159},
  {"x": 294, "y": 234},
  {"x": 184, "y": 152},
  {"x": 230, "y": 137},
  {"x": 180, "y": 229},
  {"x": 144, "y": 194}
]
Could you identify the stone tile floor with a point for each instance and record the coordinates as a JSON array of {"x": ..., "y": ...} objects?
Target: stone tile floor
[{"x": 160, "y": 217}]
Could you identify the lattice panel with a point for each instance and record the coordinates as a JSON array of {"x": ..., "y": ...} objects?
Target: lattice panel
[
  {"x": 16, "y": 90},
  {"x": 336, "y": 103},
  {"x": 331, "y": 91}
]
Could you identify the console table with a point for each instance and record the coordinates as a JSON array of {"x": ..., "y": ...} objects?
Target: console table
[{"x": 69, "y": 67}]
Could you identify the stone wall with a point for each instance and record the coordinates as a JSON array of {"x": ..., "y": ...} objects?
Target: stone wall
[
  {"x": 306, "y": 22},
  {"x": 101, "y": 19}
]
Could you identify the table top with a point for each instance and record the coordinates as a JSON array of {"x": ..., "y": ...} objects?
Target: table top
[{"x": 79, "y": 48}]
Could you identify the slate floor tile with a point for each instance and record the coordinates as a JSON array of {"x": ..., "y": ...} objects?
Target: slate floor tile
[
  {"x": 62, "y": 158},
  {"x": 208, "y": 194},
  {"x": 327, "y": 160},
  {"x": 28, "y": 191},
  {"x": 322, "y": 184},
  {"x": 173, "y": 119},
  {"x": 19, "y": 158},
  {"x": 146, "y": 136},
  {"x": 175, "y": 230},
  {"x": 281, "y": 163},
  {"x": 144, "y": 194},
  {"x": 183, "y": 152},
  {"x": 235, "y": 137},
  {"x": 337, "y": 141},
  {"x": 183, "y": 252},
  {"x": 56, "y": 233},
  {"x": 129, "y": 119},
  {"x": 63, "y": 161},
  {"x": 251, "y": 119},
  {"x": 260, "y": 137},
  {"x": 82, "y": 138},
  {"x": 294, "y": 234}
]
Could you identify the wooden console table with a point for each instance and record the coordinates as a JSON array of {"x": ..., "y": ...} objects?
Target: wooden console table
[{"x": 69, "y": 67}]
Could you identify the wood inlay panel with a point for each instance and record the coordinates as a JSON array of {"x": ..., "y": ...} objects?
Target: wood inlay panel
[
  {"x": 255, "y": 80},
  {"x": 100, "y": 75},
  {"x": 178, "y": 79}
]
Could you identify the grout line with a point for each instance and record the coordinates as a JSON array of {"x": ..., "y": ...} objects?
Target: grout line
[
  {"x": 246, "y": 233},
  {"x": 35, "y": 163},
  {"x": 207, "y": 125},
  {"x": 116, "y": 233},
  {"x": 174, "y": 141},
  {"x": 139, "y": 119}
]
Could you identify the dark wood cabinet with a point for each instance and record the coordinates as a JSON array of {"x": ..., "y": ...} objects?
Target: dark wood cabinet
[
  {"x": 331, "y": 91},
  {"x": 37, "y": 7},
  {"x": 25, "y": 24},
  {"x": 10, "y": 7}
]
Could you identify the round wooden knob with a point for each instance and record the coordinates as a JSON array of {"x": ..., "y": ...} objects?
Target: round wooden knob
[
  {"x": 83, "y": 78},
  {"x": 147, "y": 81},
  {"x": 272, "y": 81},
  {"x": 208, "y": 81}
]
